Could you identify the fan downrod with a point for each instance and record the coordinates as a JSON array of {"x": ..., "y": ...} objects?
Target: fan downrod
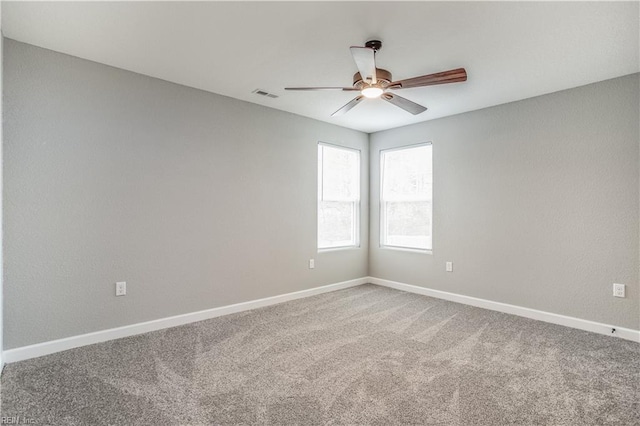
[{"x": 374, "y": 44}]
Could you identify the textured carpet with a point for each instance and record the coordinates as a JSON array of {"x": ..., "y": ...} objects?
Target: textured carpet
[{"x": 365, "y": 355}]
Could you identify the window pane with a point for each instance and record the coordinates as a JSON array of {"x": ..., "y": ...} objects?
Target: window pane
[
  {"x": 408, "y": 174},
  {"x": 408, "y": 224},
  {"x": 341, "y": 174},
  {"x": 405, "y": 197},
  {"x": 336, "y": 224}
]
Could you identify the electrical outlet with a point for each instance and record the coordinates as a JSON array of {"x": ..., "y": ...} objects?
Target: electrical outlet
[
  {"x": 449, "y": 266},
  {"x": 619, "y": 290},
  {"x": 312, "y": 263},
  {"x": 121, "y": 288}
]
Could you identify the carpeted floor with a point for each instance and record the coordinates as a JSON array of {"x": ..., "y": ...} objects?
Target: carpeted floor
[{"x": 365, "y": 355}]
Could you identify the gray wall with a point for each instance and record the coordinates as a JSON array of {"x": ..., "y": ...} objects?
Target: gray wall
[
  {"x": 535, "y": 202},
  {"x": 196, "y": 200},
  {"x": 1, "y": 186}
]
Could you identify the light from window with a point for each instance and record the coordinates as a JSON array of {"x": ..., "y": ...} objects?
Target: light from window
[
  {"x": 338, "y": 197},
  {"x": 406, "y": 197}
]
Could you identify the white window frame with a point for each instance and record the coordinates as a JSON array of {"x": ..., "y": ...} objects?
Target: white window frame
[
  {"x": 382, "y": 202},
  {"x": 356, "y": 210}
]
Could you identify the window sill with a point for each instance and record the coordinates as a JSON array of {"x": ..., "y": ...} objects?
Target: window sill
[
  {"x": 411, "y": 250},
  {"x": 325, "y": 250}
]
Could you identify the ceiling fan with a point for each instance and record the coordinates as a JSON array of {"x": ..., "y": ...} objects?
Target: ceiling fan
[{"x": 374, "y": 82}]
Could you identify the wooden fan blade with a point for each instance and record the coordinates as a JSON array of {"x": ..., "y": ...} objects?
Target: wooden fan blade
[
  {"x": 451, "y": 76},
  {"x": 365, "y": 58},
  {"x": 344, "y": 89},
  {"x": 353, "y": 102},
  {"x": 403, "y": 103}
]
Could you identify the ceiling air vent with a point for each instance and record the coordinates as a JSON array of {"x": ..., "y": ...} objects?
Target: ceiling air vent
[{"x": 264, "y": 93}]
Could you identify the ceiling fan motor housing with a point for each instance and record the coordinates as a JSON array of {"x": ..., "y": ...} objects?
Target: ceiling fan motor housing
[{"x": 383, "y": 77}]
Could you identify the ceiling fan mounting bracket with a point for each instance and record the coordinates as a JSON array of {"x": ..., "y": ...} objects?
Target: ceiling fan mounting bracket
[{"x": 374, "y": 44}]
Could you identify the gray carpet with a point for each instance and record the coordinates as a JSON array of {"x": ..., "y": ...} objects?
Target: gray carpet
[{"x": 365, "y": 355}]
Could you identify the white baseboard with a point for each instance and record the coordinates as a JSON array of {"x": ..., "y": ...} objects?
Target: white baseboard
[
  {"x": 581, "y": 324},
  {"x": 46, "y": 348}
]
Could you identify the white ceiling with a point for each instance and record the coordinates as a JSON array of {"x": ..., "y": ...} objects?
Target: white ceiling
[{"x": 511, "y": 50}]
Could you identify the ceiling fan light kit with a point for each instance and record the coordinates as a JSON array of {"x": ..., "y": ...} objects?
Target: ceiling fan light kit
[
  {"x": 371, "y": 92},
  {"x": 374, "y": 82}
]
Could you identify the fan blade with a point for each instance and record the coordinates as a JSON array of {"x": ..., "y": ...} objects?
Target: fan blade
[
  {"x": 403, "y": 103},
  {"x": 344, "y": 89},
  {"x": 353, "y": 102},
  {"x": 365, "y": 58},
  {"x": 451, "y": 76}
]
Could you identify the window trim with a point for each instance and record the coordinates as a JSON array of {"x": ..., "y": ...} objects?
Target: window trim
[
  {"x": 358, "y": 208},
  {"x": 381, "y": 214}
]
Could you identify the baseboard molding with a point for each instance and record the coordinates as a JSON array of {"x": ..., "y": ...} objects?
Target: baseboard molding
[
  {"x": 581, "y": 324},
  {"x": 46, "y": 348}
]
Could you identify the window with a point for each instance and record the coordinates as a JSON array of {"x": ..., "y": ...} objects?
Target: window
[
  {"x": 338, "y": 197},
  {"x": 406, "y": 197}
]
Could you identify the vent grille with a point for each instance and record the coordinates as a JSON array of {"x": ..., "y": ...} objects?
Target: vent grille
[{"x": 264, "y": 93}]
